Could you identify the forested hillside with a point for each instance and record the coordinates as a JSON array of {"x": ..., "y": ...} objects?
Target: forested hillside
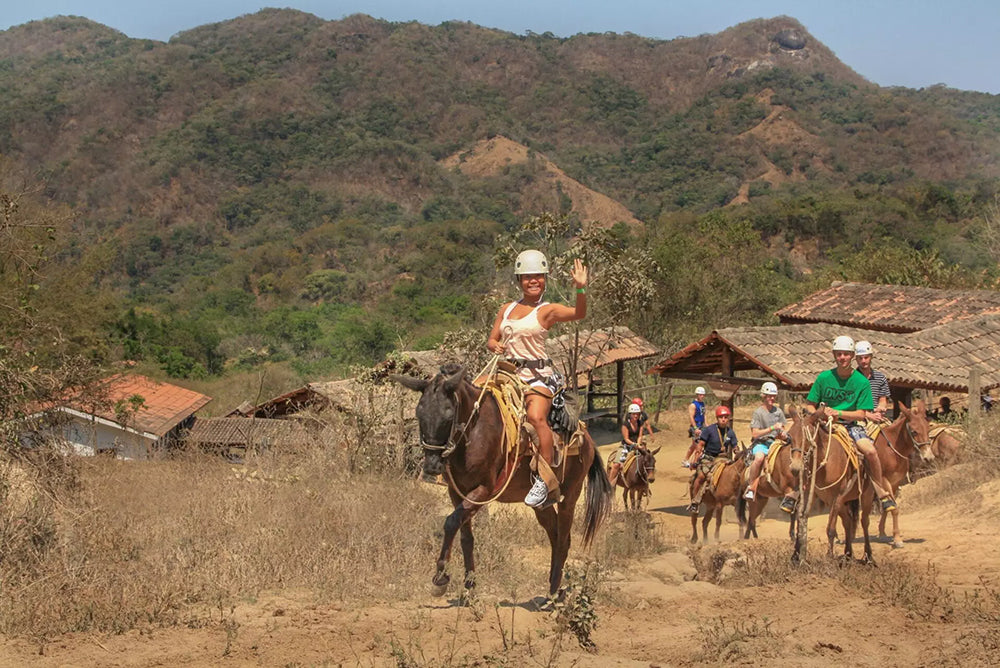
[{"x": 279, "y": 188}]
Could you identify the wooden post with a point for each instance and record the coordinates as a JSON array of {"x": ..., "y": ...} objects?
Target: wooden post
[
  {"x": 975, "y": 393},
  {"x": 727, "y": 370},
  {"x": 620, "y": 380},
  {"x": 590, "y": 391},
  {"x": 659, "y": 400}
]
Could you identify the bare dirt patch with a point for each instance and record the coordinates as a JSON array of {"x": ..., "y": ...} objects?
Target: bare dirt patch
[{"x": 490, "y": 157}]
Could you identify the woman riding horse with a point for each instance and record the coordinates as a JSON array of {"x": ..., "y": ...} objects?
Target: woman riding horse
[{"x": 519, "y": 332}]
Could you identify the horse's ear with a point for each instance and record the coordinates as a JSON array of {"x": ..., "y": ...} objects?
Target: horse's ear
[
  {"x": 905, "y": 411},
  {"x": 655, "y": 451},
  {"x": 452, "y": 381},
  {"x": 415, "y": 384}
]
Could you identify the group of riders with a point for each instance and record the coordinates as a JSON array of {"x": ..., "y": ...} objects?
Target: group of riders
[{"x": 849, "y": 396}]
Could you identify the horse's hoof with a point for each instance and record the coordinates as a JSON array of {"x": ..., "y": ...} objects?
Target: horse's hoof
[
  {"x": 897, "y": 544},
  {"x": 439, "y": 590}
]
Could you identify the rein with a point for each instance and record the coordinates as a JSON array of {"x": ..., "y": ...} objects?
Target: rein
[
  {"x": 917, "y": 445},
  {"x": 490, "y": 369},
  {"x": 811, "y": 437},
  {"x": 451, "y": 444}
]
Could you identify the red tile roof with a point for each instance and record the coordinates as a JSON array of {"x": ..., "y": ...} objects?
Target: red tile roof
[
  {"x": 890, "y": 308},
  {"x": 164, "y": 405}
]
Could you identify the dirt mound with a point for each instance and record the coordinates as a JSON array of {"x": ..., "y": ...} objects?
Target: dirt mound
[{"x": 490, "y": 157}]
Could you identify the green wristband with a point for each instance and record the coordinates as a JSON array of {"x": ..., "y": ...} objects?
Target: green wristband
[{"x": 581, "y": 291}]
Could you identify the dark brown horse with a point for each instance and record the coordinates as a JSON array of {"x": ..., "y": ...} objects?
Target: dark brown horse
[
  {"x": 728, "y": 492},
  {"x": 637, "y": 478},
  {"x": 783, "y": 482},
  {"x": 466, "y": 445},
  {"x": 832, "y": 477},
  {"x": 896, "y": 443}
]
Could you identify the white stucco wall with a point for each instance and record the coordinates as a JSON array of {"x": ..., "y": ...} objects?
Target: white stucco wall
[{"x": 89, "y": 437}]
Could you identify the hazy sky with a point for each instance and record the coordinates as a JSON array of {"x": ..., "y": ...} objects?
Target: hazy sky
[{"x": 913, "y": 43}]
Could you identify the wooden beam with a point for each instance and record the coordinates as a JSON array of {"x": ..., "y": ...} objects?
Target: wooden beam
[
  {"x": 620, "y": 380},
  {"x": 735, "y": 380}
]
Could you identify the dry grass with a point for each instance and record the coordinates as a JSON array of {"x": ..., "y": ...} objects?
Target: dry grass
[
  {"x": 980, "y": 464},
  {"x": 106, "y": 545}
]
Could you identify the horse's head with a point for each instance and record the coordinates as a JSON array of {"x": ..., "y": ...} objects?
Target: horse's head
[
  {"x": 919, "y": 428},
  {"x": 436, "y": 414},
  {"x": 647, "y": 463},
  {"x": 803, "y": 423}
]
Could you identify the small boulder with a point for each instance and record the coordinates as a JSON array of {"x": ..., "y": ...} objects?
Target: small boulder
[{"x": 790, "y": 39}]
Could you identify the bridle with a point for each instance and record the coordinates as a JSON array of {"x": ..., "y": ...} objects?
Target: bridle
[
  {"x": 917, "y": 445},
  {"x": 449, "y": 446}
]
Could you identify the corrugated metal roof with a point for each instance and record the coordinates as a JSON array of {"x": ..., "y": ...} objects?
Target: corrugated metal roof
[
  {"x": 245, "y": 432},
  {"x": 163, "y": 407},
  {"x": 939, "y": 358},
  {"x": 891, "y": 308}
]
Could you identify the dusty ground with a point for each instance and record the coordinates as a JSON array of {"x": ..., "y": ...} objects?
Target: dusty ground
[{"x": 659, "y": 612}]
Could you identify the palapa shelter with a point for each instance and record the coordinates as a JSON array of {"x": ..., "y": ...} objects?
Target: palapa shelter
[
  {"x": 599, "y": 348},
  {"x": 890, "y": 308},
  {"x": 962, "y": 356}
]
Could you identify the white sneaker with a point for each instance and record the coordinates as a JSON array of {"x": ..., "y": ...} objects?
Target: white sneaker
[
  {"x": 538, "y": 493},
  {"x": 749, "y": 495}
]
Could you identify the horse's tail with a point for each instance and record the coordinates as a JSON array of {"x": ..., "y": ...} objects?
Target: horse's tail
[
  {"x": 600, "y": 497},
  {"x": 741, "y": 509}
]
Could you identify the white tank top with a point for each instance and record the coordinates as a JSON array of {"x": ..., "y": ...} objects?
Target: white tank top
[{"x": 525, "y": 339}]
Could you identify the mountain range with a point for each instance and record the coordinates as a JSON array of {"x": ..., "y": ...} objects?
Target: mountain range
[{"x": 353, "y": 176}]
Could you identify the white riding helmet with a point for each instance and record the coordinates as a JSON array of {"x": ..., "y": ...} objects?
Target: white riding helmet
[
  {"x": 634, "y": 408},
  {"x": 531, "y": 262},
  {"x": 769, "y": 389},
  {"x": 843, "y": 343},
  {"x": 863, "y": 348},
  {"x": 699, "y": 390}
]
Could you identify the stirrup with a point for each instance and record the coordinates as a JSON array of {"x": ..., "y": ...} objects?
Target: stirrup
[
  {"x": 538, "y": 494},
  {"x": 888, "y": 504},
  {"x": 788, "y": 505}
]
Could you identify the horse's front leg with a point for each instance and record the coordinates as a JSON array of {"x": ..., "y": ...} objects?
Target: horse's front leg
[
  {"x": 455, "y": 521},
  {"x": 897, "y": 538},
  {"x": 866, "y": 509},
  {"x": 718, "y": 520},
  {"x": 709, "y": 510},
  {"x": 467, "y": 553},
  {"x": 831, "y": 527}
]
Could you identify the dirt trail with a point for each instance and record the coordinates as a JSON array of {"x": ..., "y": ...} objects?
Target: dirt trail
[{"x": 658, "y": 612}]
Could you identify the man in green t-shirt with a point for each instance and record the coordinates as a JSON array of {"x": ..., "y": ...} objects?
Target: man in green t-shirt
[{"x": 847, "y": 396}]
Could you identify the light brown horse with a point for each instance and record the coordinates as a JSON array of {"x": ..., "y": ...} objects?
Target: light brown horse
[
  {"x": 832, "y": 477},
  {"x": 728, "y": 492},
  {"x": 896, "y": 443},
  {"x": 466, "y": 445},
  {"x": 783, "y": 482},
  {"x": 946, "y": 448},
  {"x": 637, "y": 478}
]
